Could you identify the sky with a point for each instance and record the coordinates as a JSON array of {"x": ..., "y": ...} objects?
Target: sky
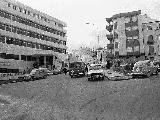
[{"x": 76, "y": 13}]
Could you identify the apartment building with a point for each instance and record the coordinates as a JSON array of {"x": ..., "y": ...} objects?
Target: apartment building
[
  {"x": 28, "y": 36},
  {"x": 126, "y": 33}
]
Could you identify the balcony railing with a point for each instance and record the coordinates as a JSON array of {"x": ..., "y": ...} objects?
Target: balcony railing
[
  {"x": 109, "y": 37},
  {"x": 109, "y": 27},
  {"x": 110, "y": 46}
]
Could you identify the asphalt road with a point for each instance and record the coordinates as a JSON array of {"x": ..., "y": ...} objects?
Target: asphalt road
[{"x": 62, "y": 98}]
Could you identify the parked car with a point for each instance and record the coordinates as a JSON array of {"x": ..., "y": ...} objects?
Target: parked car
[
  {"x": 95, "y": 72},
  {"x": 157, "y": 63},
  {"x": 77, "y": 69},
  {"x": 35, "y": 74},
  {"x": 57, "y": 71},
  {"x": 144, "y": 68}
]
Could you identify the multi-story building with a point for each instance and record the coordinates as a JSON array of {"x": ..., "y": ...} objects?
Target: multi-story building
[
  {"x": 28, "y": 36},
  {"x": 126, "y": 33},
  {"x": 151, "y": 33}
]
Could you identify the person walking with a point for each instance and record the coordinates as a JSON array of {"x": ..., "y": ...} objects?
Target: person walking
[{"x": 65, "y": 70}]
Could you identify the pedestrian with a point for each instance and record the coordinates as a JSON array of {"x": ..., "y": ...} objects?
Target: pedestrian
[{"x": 65, "y": 70}]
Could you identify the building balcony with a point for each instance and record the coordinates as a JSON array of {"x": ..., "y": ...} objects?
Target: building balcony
[
  {"x": 109, "y": 37},
  {"x": 110, "y": 46},
  {"x": 109, "y": 27},
  {"x": 108, "y": 20}
]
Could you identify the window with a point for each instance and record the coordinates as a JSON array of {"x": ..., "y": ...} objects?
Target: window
[
  {"x": 135, "y": 37},
  {"x": 9, "y": 56},
  {"x": 28, "y": 33},
  {"x": 9, "y": 40},
  {"x": 9, "y": 5},
  {"x": 33, "y": 45},
  {"x": 149, "y": 27},
  {"x": 14, "y": 7},
  {"x": 25, "y": 11},
  {"x": 115, "y": 25},
  {"x": 8, "y": 16},
  {"x": 23, "y": 57},
  {"x": 41, "y": 47},
  {"x": 2, "y": 26},
  {"x": 134, "y": 27},
  {"x": 3, "y": 55},
  {"x": 24, "y": 32},
  {"x": 127, "y": 20},
  {"x": 16, "y": 57},
  {"x": 64, "y": 42},
  {"x": 16, "y": 42},
  {"x": 24, "y": 43},
  {"x": 14, "y": 29},
  {"x": 29, "y": 58},
  {"x": 14, "y": 18},
  {"x": 20, "y": 43},
  {"x": 128, "y": 28},
  {"x": 37, "y": 46},
  {"x": 134, "y": 18},
  {"x": 8, "y": 28},
  {"x": 29, "y": 44},
  {"x": 2, "y": 13},
  {"x": 37, "y": 16},
  {"x": 19, "y": 31},
  {"x": 2, "y": 39},
  {"x": 29, "y": 13},
  {"x": 20, "y": 9}
]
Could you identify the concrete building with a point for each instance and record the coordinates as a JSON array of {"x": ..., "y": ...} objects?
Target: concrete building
[
  {"x": 28, "y": 36},
  {"x": 151, "y": 33},
  {"x": 126, "y": 33}
]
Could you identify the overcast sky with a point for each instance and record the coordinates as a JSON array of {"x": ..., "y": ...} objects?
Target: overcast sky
[{"x": 76, "y": 13}]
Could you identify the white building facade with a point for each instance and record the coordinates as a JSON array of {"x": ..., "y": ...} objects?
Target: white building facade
[{"x": 28, "y": 36}]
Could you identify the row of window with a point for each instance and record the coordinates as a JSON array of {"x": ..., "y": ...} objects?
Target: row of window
[
  {"x": 29, "y": 13},
  {"x": 30, "y": 23},
  {"x": 14, "y": 41},
  {"x": 129, "y": 19},
  {"x": 6, "y": 70},
  {"x": 28, "y": 33},
  {"x": 132, "y": 37},
  {"x": 17, "y": 57},
  {"x": 131, "y": 28}
]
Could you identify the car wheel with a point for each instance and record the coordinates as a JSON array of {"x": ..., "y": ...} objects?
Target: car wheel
[
  {"x": 89, "y": 79},
  {"x": 45, "y": 76},
  {"x": 71, "y": 76}
]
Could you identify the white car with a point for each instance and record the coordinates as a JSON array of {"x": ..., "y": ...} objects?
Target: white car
[{"x": 95, "y": 72}]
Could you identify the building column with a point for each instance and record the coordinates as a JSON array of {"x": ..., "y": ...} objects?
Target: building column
[
  {"x": 45, "y": 61},
  {"x": 20, "y": 57}
]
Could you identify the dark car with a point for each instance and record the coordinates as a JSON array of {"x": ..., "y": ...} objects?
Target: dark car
[{"x": 77, "y": 69}]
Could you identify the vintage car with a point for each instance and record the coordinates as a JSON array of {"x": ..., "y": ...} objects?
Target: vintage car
[
  {"x": 144, "y": 68},
  {"x": 35, "y": 73},
  {"x": 95, "y": 72}
]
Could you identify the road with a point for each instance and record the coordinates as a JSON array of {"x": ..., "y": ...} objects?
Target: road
[{"x": 61, "y": 98}]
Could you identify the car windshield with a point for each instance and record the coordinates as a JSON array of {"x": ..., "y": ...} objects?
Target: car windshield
[{"x": 96, "y": 67}]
